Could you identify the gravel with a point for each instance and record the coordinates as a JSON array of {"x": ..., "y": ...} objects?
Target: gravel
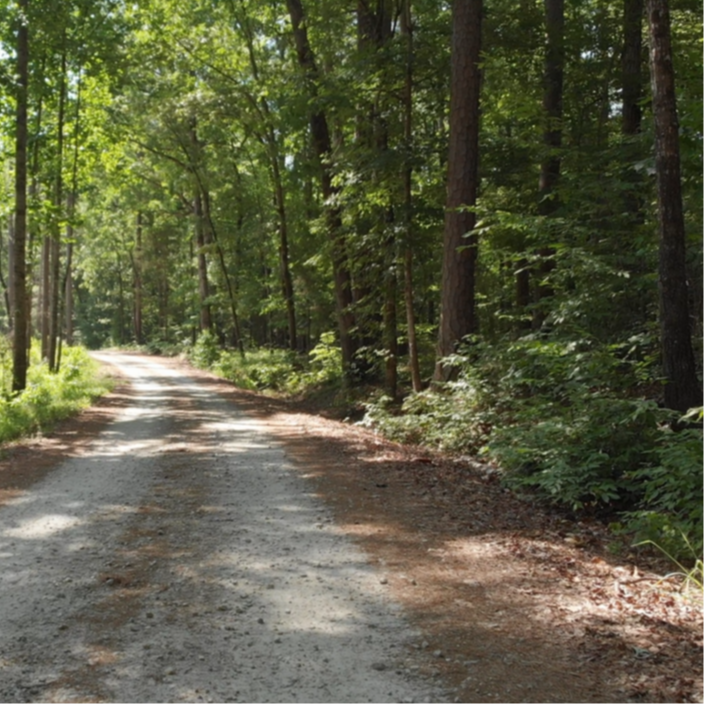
[{"x": 183, "y": 559}]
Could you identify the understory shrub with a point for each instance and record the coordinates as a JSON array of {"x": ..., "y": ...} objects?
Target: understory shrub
[
  {"x": 49, "y": 396},
  {"x": 271, "y": 368},
  {"x": 565, "y": 420}
]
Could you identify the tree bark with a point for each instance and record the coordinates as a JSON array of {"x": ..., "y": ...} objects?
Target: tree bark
[
  {"x": 9, "y": 284},
  {"x": 232, "y": 296},
  {"x": 683, "y": 390},
  {"x": 20, "y": 333},
  {"x": 137, "y": 283},
  {"x": 458, "y": 316},
  {"x": 631, "y": 67},
  {"x": 287, "y": 283},
  {"x": 205, "y": 319},
  {"x": 55, "y": 249},
  {"x": 552, "y": 137},
  {"x": 407, "y": 32}
]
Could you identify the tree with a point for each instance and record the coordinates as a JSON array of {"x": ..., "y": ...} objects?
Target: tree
[
  {"x": 458, "y": 316},
  {"x": 321, "y": 137},
  {"x": 683, "y": 390},
  {"x": 20, "y": 332}
]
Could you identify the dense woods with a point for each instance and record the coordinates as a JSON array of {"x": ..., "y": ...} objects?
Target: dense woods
[{"x": 486, "y": 215}]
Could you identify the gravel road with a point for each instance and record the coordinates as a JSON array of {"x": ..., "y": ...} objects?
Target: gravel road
[{"x": 182, "y": 558}]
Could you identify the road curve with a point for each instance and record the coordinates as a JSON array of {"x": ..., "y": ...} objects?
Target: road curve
[{"x": 182, "y": 559}]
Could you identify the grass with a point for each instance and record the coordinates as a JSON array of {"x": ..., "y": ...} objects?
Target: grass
[{"x": 49, "y": 397}]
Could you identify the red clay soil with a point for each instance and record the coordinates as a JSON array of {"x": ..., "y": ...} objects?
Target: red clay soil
[{"x": 516, "y": 603}]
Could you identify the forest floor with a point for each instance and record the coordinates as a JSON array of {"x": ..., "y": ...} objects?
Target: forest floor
[{"x": 513, "y": 603}]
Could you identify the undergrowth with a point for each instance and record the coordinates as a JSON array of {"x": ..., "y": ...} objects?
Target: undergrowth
[
  {"x": 570, "y": 421},
  {"x": 48, "y": 397},
  {"x": 270, "y": 368},
  {"x": 561, "y": 420}
]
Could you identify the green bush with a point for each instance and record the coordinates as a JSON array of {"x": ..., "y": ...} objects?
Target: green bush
[
  {"x": 206, "y": 351},
  {"x": 271, "y": 368},
  {"x": 49, "y": 396},
  {"x": 672, "y": 503},
  {"x": 564, "y": 419}
]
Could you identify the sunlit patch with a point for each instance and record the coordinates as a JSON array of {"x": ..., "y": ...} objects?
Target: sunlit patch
[
  {"x": 43, "y": 526},
  {"x": 210, "y": 509},
  {"x": 9, "y": 496},
  {"x": 150, "y": 509},
  {"x": 101, "y": 656}
]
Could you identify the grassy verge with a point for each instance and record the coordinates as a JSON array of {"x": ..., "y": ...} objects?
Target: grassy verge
[{"x": 49, "y": 397}]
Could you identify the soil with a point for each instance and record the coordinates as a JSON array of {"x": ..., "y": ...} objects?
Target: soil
[{"x": 501, "y": 600}]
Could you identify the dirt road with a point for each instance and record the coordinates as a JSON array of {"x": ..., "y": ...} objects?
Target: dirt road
[{"x": 179, "y": 558}]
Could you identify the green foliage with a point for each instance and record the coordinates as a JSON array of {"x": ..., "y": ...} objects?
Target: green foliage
[
  {"x": 672, "y": 500},
  {"x": 691, "y": 575},
  {"x": 558, "y": 419},
  {"x": 263, "y": 369},
  {"x": 271, "y": 369},
  {"x": 50, "y": 397},
  {"x": 206, "y": 352},
  {"x": 455, "y": 419}
]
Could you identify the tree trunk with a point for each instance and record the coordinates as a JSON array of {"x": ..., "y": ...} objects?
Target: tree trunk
[
  {"x": 55, "y": 248},
  {"x": 552, "y": 136},
  {"x": 205, "y": 319},
  {"x": 407, "y": 32},
  {"x": 631, "y": 107},
  {"x": 683, "y": 390},
  {"x": 287, "y": 284},
  {"x": 232, "y": 297},
  {"x": 20, "y": 339},
  {"x": 137, "y": 283},
  {"x": 389, "y": 322},
  {"x": 71, "y": 211},
  {"x": 320, "y": 133},
  {"x": 458, "y": 318},
  {"x": 44, "y": 303},
  {"x": 631, "y": 67},
  {"x": 10, "y": 284}
]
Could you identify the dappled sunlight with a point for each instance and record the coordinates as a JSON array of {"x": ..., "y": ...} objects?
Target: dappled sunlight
[{"x": 42, "y": 527}]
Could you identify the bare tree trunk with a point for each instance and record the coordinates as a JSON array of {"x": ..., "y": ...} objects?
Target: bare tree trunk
[
  {"x": 205, "y": 319},
  {"x": 552, "y": 136},
  {"x": 631, "y": 105},
  {"x": 137, "y": 283},
  {"x": 631, "y": 67},
  {"x": 683, "y": 388},
  {"x": 44, "y": 303},
  {"x": 407, "y": 32},
  {"x": 389, "y": 322},
  {"x": 20, "y": 339},
  {"x": 68, "y": 290},
  {"x": 284, "y": 268},
  {"x": 232, "y": 296},
  {"x": 458, "y": 316},
  {"x": 7, "y": 283},
  {"x": 55, "y": 249}
]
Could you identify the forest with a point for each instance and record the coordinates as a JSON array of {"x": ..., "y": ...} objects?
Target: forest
[{"x": 479, "y": 222}]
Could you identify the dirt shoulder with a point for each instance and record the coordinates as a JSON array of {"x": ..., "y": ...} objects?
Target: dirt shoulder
[{"x": 517, "y": 604}]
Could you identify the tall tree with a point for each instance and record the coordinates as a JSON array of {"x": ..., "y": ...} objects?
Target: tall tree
[
  {"x": 20, "y": 332},
  {"x": 683, "y": 389},
  {"x": 321, "y": 137},
  {"x": 458, "y": 315},
  {"x": 553, "y": 133},
  {"x": 407, "y": 33},
  {"x": 631, "y": 67}
]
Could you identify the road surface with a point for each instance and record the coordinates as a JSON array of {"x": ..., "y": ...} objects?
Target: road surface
[{"x": 180, "y": 559}]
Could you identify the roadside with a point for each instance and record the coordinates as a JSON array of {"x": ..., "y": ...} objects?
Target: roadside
[{"x": 515, "y": 604}]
